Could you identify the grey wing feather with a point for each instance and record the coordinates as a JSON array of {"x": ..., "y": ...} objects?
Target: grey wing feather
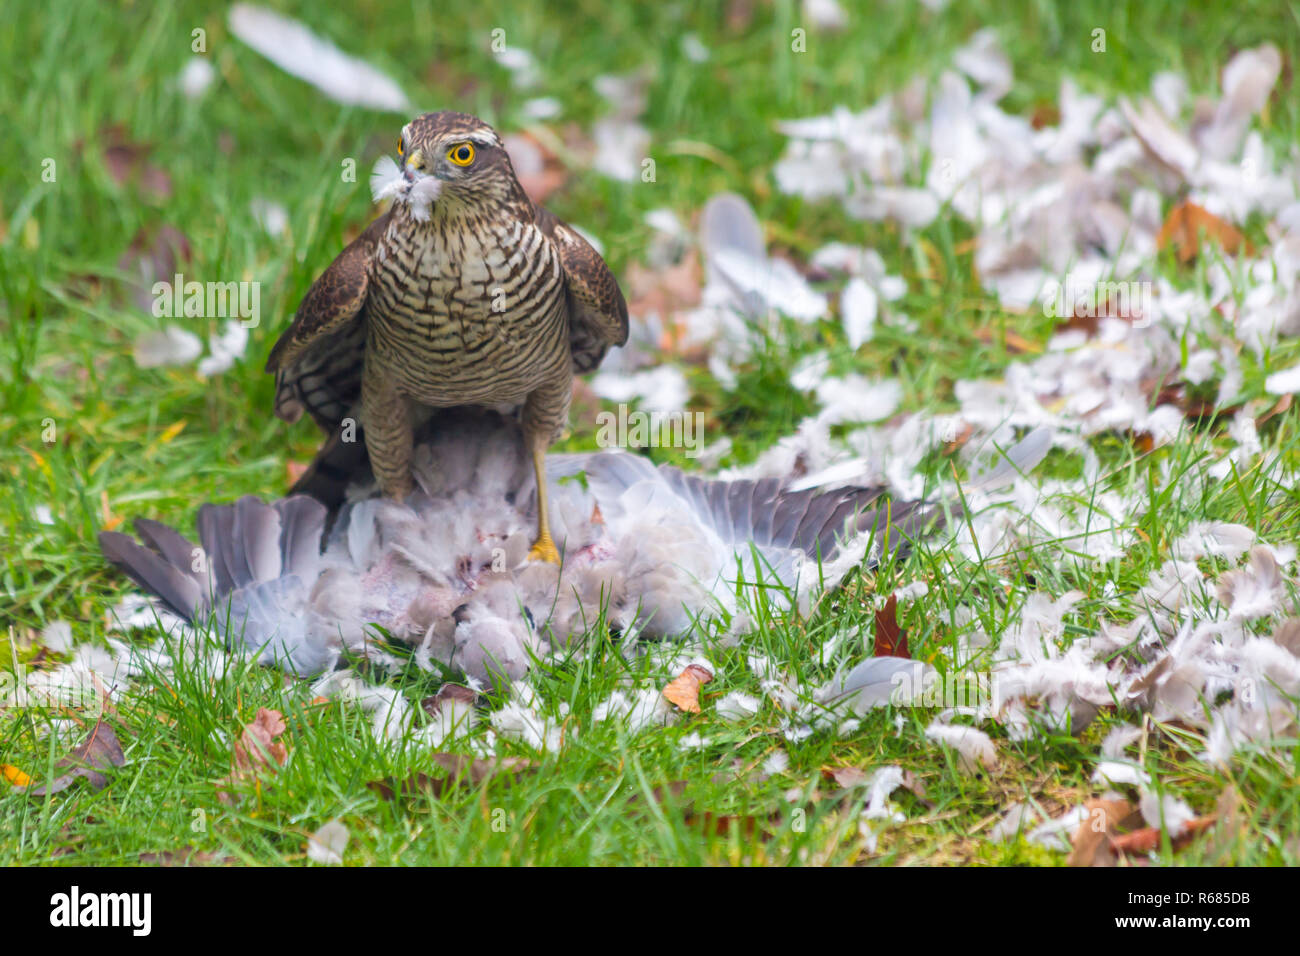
[
  {"x": 264, "y": 560},
  {"x": 302, "y": 528},
  {"x": 764, "y": 507},
  {"x": 757, "y": 511},
  {"x": 787, "y": 518},
  {"x": 179, "y": 551},
  {"x": 257, "y": 536},
  {"x": 216, "y": 532},
  {"x": 153, "y": 572}
]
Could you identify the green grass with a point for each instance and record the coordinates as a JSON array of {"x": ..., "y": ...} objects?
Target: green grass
[{"x": 66, "y": 331}]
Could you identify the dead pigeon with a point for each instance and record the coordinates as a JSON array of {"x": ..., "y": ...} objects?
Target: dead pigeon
[{"x": 648, "y": 548}]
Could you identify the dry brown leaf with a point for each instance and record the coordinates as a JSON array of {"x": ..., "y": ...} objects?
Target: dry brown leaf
[
  {"x": 890, "y": 639},
  {"x": 258, "y": 748},
  {"x": 99, "y": 751},
  {"x": 1283, "y": 404},
  {"x": 127, "y": 162},
  {"x": 1148, "y": 838},
  {"x": 1018, "y": 343},
  {"x": 684, "y": 691},
  {"x": 846, "y": 777},
  {"x": 1185, "y": 225},
  {"x": 1045, "y": 114},
  {"x": 959, "y": 439},
  {"x": 1092, "y": 840},
  {"x": 259, "y": 745},
  {"x": 1015, "y": 343}
]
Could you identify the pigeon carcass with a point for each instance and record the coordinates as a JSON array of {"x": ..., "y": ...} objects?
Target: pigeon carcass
[{"x": 446, "y": 571}]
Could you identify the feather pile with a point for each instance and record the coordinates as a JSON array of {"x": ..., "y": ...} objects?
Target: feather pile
[{"x": 1066, "y": 216}]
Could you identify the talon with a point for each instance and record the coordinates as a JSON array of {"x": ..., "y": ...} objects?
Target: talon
[{"x": 544, "y": 550}]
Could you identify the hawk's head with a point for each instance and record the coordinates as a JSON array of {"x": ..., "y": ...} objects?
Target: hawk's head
[{"x": 450, "y": 159}]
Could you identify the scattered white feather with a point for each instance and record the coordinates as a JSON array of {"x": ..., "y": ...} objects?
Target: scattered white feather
[
  {"x": 196, "y": 76},
  {"x": 858, "y": 306},
  {"x": 224, "y": 349},
  {"x": 659, "y": 389},
  {"x": 1058, "y": 833},
  {"x": 778, "y": 761},
  {"x": 1166, "y": 813},
  {"x": 1016, "y": 820},
  {"x": 825, "y": 14},
  {"x": 328, "y": 844},
  {"x": 621, "y": 147},
  {"x": 694, "y": 49},
  {"x": 974, "y": 747},
  {"x": 270, "y": 215},
  {"x": 298, "y": 51},
  {"x": 171, "y": 346},
  {"x": 884, "y": 781},
  {"x": 385, "y": 179},
  {"x": 541, "y": 108},
  {"x": 854, "y": 398},
  {"x": 736, "y": 706},
  {"x": 524, "y": 71},
  {"x": 1285, "y": 382},
  {"x": 57, "y": 637},
  {"x": 1216, "y": 539}
]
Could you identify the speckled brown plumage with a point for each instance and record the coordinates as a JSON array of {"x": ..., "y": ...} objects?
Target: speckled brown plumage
[{"x": 481, "y": 298}]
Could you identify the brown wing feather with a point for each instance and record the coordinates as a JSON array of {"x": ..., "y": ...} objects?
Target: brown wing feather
[
  {"x": 321, "y": 352},
  {"x": 597, "y": 311}
]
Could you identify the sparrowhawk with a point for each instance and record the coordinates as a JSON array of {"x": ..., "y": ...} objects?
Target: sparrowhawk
[{"x": 464, "y": 293}]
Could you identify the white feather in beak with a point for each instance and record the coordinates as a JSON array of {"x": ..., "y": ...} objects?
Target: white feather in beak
[
  {"x": 388, "y": 182},
  {"x": 421, "y": 196}
]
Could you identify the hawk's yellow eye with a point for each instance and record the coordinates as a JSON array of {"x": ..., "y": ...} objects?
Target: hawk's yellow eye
[
  {"x": 400, "y": 150},
  {"x": 461, "y": 155}
]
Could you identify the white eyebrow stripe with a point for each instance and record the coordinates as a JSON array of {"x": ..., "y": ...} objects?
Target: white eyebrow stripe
[{"x": 484, "y": 138}]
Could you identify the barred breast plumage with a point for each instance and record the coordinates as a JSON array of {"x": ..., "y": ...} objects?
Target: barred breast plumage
[
  {"x": 465, "y": 293},
  {"x": 467, "y": 312}
]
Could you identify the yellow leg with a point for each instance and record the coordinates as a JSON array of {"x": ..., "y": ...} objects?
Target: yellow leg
[{"x": 544, "y": 547}]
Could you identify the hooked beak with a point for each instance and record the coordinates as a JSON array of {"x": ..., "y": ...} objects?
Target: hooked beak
[{"x": 412, "y": 163}]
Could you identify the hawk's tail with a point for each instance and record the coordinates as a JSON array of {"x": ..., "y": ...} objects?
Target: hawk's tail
[{"x": 338, "y": 463}]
